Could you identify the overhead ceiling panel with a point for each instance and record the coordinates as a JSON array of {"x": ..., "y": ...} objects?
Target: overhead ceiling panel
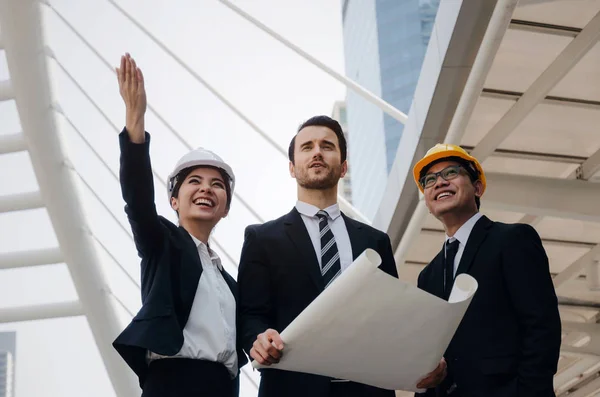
[
  {"x": 583, "y": 81},
  {"x": 522, "y": 57},
  {"x": 552, "y": 127},
  {"x": 572, "y": 13}
]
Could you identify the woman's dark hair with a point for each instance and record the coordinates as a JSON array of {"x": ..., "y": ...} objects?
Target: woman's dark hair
[
  {"x": 187, "y": 171},
  {"x": 322, "y": 121}
]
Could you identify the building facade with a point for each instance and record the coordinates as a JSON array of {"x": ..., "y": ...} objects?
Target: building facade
[
  {"x": 339, "y": 113},
  {"x": 8, "y": 347},
  {"x": 384, "y": 46}
]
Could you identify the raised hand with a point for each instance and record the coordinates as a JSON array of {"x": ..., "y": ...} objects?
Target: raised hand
[{"x": 133, "y": 92}]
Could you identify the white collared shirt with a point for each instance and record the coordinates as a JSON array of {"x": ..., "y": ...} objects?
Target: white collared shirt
[
  {"x": 210, "y": 332},
  {"x": 337, "y": 224},
  {"x": 462, "y": 235}
]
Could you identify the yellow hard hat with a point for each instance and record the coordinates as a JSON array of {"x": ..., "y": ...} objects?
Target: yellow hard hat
[{"x": 444, "y": 150}]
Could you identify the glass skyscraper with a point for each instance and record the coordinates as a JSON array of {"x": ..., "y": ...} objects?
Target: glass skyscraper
[
  {"x": 339, "y": 113},
  {"x": 8, "y": 348},
  {"x": 384, "y": 46}
]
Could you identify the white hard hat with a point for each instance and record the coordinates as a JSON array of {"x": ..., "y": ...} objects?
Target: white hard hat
[{"x": 195, "y": 158}]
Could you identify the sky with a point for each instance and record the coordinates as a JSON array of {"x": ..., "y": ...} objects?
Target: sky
[{"x": 267, "y": 82}]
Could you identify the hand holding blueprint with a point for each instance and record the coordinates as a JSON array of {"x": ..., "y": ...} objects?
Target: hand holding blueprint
[{"x": 372, "y": 328}]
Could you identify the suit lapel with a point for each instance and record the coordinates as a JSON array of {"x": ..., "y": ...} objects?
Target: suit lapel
[
  {"x": 296, "y": 230},
  {"x": 189, "y": 274},
  {"x": 230, "y": 283},
  {"x": 357, "y": 239},
  {"x": 437, "y": 275},
  {"x": 476, "y": 238}
]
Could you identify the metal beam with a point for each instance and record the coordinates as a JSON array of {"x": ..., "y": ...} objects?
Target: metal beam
[
  {"x": 546, "y": 196},
  {"x": 40, "y": 312},
  {"x": 412, "y": 231},
  {"x": 563, "y": 63},
  {"x": 490, "y": 44},
  {"x": 589, "y": 167},
  {"x": 151, "y": 108},
  {"x": 590, "y": 329},
  {"x": 6, "y": 90},
  {"x": 12, "y": 260},
  {"x": 572, "y": 302},
  {"x": 523, "y": 3},
  {"x": 466, "y": 105},
  {"x": 21, "y": 23},
  {"x": 12, "y": 143},
  {"x": 592, "y": 276},
  {"x": 576, "y": 267},
  {"x": 514, "y": 96},
  {"x": 21, "y": 202},
  {"x": 532, "y": 220},
  {"x": 448, "y": 64},
  {"x": 360, "y": 90},
  {"x": 544, "y": 28},
  {"x": 556, "y": 242},
  {"x": 566, "y": 379},
  {"x": 590, "y": 389},
  {"x": 563, "y": 198},
  {"x": 536, "y": 156},
  {"x": 345, "y": 205}
]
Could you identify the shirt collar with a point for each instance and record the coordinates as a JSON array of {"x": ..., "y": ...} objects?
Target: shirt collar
[
  {"x": 213, "y": 255},
  {"x": 310, "y": 210},
  {"x": 463, "y": 232}
]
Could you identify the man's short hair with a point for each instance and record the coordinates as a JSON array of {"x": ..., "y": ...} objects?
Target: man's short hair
[{"x": 322, "y": 121}]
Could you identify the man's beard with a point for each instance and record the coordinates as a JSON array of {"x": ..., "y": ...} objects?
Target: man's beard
[{"x": 323, "y": 181}]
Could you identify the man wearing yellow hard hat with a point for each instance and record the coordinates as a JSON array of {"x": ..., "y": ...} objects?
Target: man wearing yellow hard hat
[{"x": 509, "y": 340}]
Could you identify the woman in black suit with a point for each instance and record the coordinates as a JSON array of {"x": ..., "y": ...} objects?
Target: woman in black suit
[{"x": 182, "y": 342}]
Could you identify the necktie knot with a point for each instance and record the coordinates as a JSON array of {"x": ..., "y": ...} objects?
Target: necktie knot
[
  {"x": 452, "y": 247},
  {"x": 322, "y": 215}
]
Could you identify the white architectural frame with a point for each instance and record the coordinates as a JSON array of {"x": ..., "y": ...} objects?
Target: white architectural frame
[
  {"x": 23, "y": 42},
  {"x": 481, "y": 66},
  {"x": 29, "y": 87}
]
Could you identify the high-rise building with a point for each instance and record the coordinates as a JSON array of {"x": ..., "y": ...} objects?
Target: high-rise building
[
  {"x": 8, "y": 349},
  {"x": 339, "y": 113},
  {"x": 384, "y": 46}
]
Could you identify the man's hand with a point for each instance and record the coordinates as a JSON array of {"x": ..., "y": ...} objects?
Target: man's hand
[
  {"x": 267, "y": 348},
  {"x": 131, "y": 88},
  {"x": 435, "y": 377}
]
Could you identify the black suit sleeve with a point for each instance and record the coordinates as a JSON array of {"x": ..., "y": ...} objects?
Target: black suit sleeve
[
  {"x": 529, "y": 284},
  {"x": 388, "y": 263},
  {"x": 137, "y": 188},
  {"x": 254, "y": 283},
  {"x": 421, "y": 280}
]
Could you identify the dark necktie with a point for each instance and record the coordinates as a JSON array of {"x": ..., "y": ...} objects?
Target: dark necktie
[
  {"x": 330, "y": 256},
  {"x": 451, "y": 250}
]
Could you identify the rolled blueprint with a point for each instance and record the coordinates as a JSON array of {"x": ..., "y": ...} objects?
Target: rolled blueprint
[{"x": 372, "y": 328}]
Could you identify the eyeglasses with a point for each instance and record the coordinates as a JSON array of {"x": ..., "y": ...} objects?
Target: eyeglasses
[{"x": 447, "y": 174}]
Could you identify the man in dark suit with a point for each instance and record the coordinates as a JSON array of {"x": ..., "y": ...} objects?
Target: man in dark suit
[
  {"x": 509, "y": 339},
  {"x": 288, "y": 262}
]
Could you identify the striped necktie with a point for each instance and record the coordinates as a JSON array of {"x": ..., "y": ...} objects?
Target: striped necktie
[{"x": 330, "y": 256}]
